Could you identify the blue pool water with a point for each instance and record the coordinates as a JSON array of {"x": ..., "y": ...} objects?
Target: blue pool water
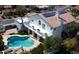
[{"x": 16, "y": 41}]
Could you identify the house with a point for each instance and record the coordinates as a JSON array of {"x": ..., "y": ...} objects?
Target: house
[
  {"x": 40, "y": 25},
  {"x": 46, "y": 24},
  {"x": 50, "y": 24}
]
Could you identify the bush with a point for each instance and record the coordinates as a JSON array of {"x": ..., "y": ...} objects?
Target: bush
[
  {"x": 15, "y": 16},
  {"x": 21, "y": 33},
  {"x": 11, "y": 33},
  {"x": 70, "y": 43},
  {"x": 39, "y": 50},
  {"x": 1, "y": 43},
  {"x": 52, "y": 42},
  {"x": 35, "y": 9},
  {"x": 72, "y": 29},
  {"x": 1, "y": 38}
]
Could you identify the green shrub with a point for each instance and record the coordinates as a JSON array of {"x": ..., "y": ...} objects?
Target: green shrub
[
  {"x": 11, "y": 33},
  {"x": 1, "y": 38},
  {"x": 15, "y": 16},
  {"x": 21, "y": 33},
  {"x": 1, "y": 42}
]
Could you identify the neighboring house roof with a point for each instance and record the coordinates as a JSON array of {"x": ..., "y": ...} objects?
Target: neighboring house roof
[
  {"x": 67, "y": 17},
  {"x": 54, "y": 21},
  {"x": 42, "y": 6},
  {"x": 31, "y": 14},
  {"x": 7, "y": 6},
  {"x": 7, "y": 21}
]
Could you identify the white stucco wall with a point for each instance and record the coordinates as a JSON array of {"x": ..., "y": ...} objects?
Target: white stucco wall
[
  {"x": 54, "y": 32},
  {"x": 18, "y": 25},
  {"x": 47, "y": 26},
  {"x": 18, "y": 22}
]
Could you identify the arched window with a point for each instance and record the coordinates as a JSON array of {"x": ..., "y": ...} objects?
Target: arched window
[{"x": 39, "y": 22}]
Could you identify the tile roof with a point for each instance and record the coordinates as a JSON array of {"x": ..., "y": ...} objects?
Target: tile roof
[
  {"x": 67, "y": 17},
  {"x": 54, "y": 21}
]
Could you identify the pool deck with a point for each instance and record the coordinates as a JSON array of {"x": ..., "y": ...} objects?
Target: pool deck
[
  {"x": 11, "y": 31},
  {"x": 36, "y": 44}
]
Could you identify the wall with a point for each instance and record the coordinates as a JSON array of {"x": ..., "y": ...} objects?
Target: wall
[
  {"x": 36, "y": 22},
  {"x": 18, "y": 25},
  {"x": 57, "y": 32}
]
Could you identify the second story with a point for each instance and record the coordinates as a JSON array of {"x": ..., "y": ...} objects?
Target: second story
[{"x": 37, "y": 22}]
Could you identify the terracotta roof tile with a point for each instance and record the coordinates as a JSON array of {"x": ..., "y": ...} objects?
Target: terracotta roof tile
[{"x": 55, "y": 22}]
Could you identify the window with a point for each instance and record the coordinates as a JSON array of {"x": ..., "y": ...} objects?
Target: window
[
  {"x": 1, "y": 28},
  {"x": 50, "y": 28},
  {"x": 54, "y": 28},
  {"x": 32, "y": 20},
  {"x": 43, "y": 26},
  {"x": 39, "y": 22}
]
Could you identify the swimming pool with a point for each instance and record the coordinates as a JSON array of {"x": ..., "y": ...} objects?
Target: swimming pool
[{"x": 16, "y": 41}]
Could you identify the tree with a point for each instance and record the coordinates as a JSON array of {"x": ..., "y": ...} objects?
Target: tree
[
  {"x": 72, "y": 29},
  {"x": 75, "y": 12},
  {"x": 21, "y": 14},
  {"x": 51, "y": 8},
  {"x": 1, "y": 43},
  {"x": 35, "y": 9},
  {"x": 20, "y": 9},
  {"x": 52, "y": 43},
  {"x": 1, "y": 40},
  {"x": 70, "y": 43}
]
